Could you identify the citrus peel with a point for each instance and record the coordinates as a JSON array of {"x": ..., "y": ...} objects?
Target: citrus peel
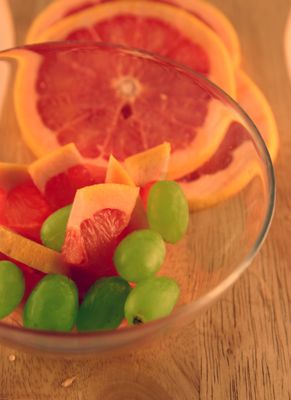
[{"x": 30, "y": 253}]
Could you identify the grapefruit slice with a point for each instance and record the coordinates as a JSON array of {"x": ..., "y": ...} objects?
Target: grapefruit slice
[
  {"x": 30, "y": 253},
  {"x": 99, "y": 215},
  {"x": 155, "y": 27},
  {"x": 120, "y": 104},
  {"x": 149, "y": 165},
  {"x": 59, "y": 174},
  {"x": 203, "y": 10},
  {"x": 217, "y": 21},
  {"x": 22, "y": 207},
  {"x": 235, "y": 162},
  {"x": 116, "y": 173}
]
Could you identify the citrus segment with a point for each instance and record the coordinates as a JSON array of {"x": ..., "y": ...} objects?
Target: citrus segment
[
  {"x": 99, "y": 215},
  {"x": 59, "y": 174},
  {"x": 22, "y": 207},
  {"x": 30, "y": 253},
  {"x": 116, "y": 173},
  {"x": 25, "y": 210},
  {"x": 120, "y": 104},
  {"x": 149, "y": 165},
  {"x": 203, "y": 10},
  {"x": 236, "y": 161}
]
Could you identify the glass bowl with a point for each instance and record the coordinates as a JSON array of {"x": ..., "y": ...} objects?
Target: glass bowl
[{"x": 232, "y": 196}]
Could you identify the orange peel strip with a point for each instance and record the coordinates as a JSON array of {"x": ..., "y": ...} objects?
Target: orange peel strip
[{"x": 30, "y": 253}]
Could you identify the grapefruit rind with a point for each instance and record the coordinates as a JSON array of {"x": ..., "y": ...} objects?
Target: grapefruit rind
[
  {"x": 54, "y": 163},
  {"x": 209, "y": 190},
  {"x": 205, "y": 143},
  {"x": 36, "y": 135},
  {"x": 41, "y": 139},
  {"x": 116, "y": 173},
  {"x": 149, "y": 165},
  {"x": 222, "y": 68},
  {"x": 30, "y": 253},
  {"x": 49, "y": 16},
  {"x": 252, "y": 99},
  {"x": 92, "y": 199},
  {"x": 205, "y": 11},
  {"x": 217, "y": 21}
]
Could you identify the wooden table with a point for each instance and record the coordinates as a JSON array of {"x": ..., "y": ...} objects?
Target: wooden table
[{"x": 239, "y": 348}]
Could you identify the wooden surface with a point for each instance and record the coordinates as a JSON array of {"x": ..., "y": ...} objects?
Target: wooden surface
[{"x": 241, "y": 347}]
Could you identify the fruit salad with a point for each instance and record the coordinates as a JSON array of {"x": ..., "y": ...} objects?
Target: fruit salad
[{"x": 100, "y": 258}]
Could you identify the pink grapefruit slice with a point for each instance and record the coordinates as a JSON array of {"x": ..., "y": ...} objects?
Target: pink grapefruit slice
[
  {"x": 99, "y": 215},
  {"x": 59, "y": 174},
  {"x": 156, "y": 27},
  {"x": 236, "y": 161},
  {"x": 203, "y": 10},
  {"x": 120, "y": 104}
]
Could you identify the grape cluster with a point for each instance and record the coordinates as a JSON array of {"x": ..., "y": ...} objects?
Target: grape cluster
[{"x": 137, "y": 294}]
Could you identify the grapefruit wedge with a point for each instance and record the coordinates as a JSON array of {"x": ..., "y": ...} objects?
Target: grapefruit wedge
[
  {"x": 116, "y": 173},
  {"x": 203, "y": 10},
  {"x": 59, "y": 174},
  {"x": 149, "y": 165},
  {"x": 22, "y": 207},
  {"x": 236, "y": 161},
  {"x": 99, "y": 215},
  {"x": 140, "y": 170},
  {"x": 119, "y": 104}
]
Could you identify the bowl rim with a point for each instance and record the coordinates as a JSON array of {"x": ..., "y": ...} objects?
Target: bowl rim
[{"x": 184, "y": 310}]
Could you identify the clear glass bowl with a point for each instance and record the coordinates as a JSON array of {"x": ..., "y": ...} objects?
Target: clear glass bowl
[{"x": 222, "y": 239}]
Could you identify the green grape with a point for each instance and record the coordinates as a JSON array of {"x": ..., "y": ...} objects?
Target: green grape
[
  {"x": 52, "y": 305},
  {"x": 53, "y": 229},
  {"x": 12, "y": 287},
  {"x": 103, "y": 305},
  {"x": 151, "y": 299},
  {"x": 167, "y": 210},
  {"x": 139, "y": 255}
]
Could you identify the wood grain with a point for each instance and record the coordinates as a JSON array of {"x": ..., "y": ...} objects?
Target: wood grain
[{"x": 241, "y": 347}]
